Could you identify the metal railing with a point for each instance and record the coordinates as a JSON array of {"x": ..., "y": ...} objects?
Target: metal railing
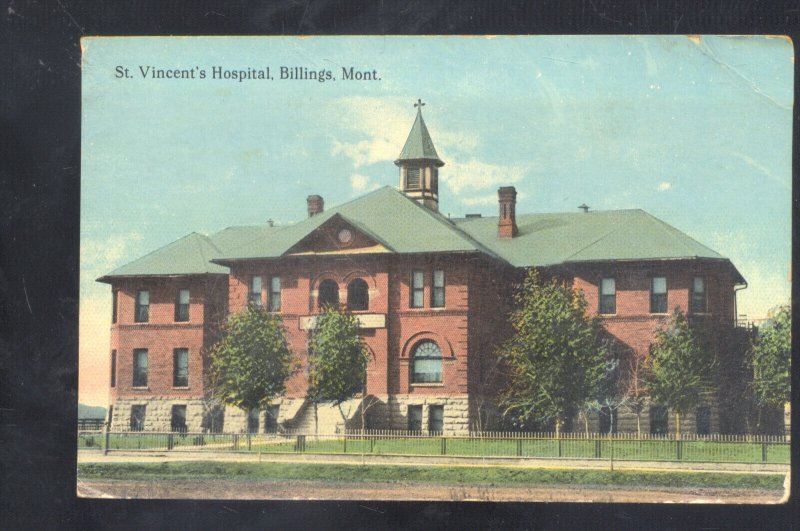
[{"x": 620, "y": 446}]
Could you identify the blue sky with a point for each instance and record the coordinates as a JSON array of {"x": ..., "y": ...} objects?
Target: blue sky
[{"x": 696, "y": 131}]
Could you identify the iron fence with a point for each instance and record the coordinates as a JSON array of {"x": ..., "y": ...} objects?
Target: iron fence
[{"x": 687, "y": 448}]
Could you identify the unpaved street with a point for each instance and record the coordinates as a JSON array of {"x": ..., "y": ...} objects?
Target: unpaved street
[{"x": 317, "y": 490}]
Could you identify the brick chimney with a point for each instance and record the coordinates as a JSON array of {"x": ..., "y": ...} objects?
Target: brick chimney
[
  {"x": 315, "y": 205},
  {"x": 507, "y": 223}
]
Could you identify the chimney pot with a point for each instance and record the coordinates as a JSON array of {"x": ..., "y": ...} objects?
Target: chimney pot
[
  {"x": 316, "y": 205},
  {"x": 507, "y": 222}
]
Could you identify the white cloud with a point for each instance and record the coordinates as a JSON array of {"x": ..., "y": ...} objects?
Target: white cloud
[
  {"x": 477, "y": 175},
  {"x": 664, "y": 186},
  {"x": 101, "y": 256},
  {"x": 361, "y": 183}
]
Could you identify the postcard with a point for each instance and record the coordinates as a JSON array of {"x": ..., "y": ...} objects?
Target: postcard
[{"x": 499, "y": 268}]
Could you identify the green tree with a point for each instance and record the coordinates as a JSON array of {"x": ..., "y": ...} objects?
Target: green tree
[
  {"x": 679, "y": 368},
  {"x": 556, "y": 356},
  {"x": 338, "y": 360},
  {"x": 251, "y": 361},
  {"x": 770, "y": 357}
]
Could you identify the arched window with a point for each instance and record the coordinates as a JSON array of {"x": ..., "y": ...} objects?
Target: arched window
[
  {"x": 426, "y": 362},
  {"x": 357, "y": 295},
  {"x": 328, "y": 293}
]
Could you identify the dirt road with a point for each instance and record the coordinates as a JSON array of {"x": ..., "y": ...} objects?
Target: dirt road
[{"x": 317, "y": 490}]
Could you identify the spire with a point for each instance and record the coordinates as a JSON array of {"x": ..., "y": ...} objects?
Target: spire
[{"x": 419, "y": 146}]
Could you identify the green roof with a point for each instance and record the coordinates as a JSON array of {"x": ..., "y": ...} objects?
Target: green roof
[
  {"x": 419, "y": 145},
  {"x": 190, "y": 255},
  {"x": 402, "y": 225},
  {"x": 550, "y": 239},
  {"x": 386, "y": 215}
]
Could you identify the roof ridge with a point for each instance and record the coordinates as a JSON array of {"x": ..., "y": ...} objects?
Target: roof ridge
[{"x": 673, "y": 230}]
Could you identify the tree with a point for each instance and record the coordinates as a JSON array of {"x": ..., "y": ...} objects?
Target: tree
[
  {"x": 610, "y": 393},
  {"x": 770, "y": 357},
  {"x": 338, "y": 360},
  {"x": 679, "y": 368},
  {"x": 556, "y": 355},
  {"x": 251, "y": 361},
  {"x": 635, "y": 391}
]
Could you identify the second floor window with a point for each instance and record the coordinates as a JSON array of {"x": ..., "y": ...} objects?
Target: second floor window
[
  {"x": 417, "y": 289},
  {"x": 608, "y": 296},
  {"x": 140, "y": 367},
  {"x": 357, "y": 295},
  {"x": 697, "y": 302},
  {"x": 142, "y": 306},
  {"x": 275, "y": 294},
  {"x": 328, "y": 294},
  {"x": 437, "y": 289},
  {"x": 114, "y": 298},
  {"x": 255, "y": 291},
  {"x": 182, "y": 305},
  {"x": 658, "y": 295},
  {"x": 180, "y": 367},
  {"x": 113, "y": 368}
]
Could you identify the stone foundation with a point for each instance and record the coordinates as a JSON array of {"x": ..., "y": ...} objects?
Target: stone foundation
[{"x": 391, "y": 412}]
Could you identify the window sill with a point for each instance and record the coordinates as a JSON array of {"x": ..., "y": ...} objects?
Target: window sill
[
  {"x": 181, "y": 387},
  {"x": 140, "y": 388},
  {"x": 432, "y": 384}
]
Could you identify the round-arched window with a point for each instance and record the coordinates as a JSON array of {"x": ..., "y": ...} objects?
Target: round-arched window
[
  {"x": 328, "y": 293},
  {"x": 357, "y": 295},
  {"x": 426, "y": 362}
]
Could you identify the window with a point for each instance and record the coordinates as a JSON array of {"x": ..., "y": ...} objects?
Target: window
[
  {"x": 414, "y": 418},
  {"x": 271, "y": 419},
  {"x": 182, "y": 305},
  {"x": 659, "y": 418},
  {"x": 658, "y": 295},
  {"x": 608, "y": 420},
  {"x": 697, "y": 302},
  {"x": 180, "y": 367},
  {"x": 357, "y": 295},
  {"x": 178, "y": 419},
  {"x": 703, "y": 420},
  {"x": 113, "y": 368},
  {"x": 142, "y": 306},
  {"x": 255, "y": 291},
  {"x": 328, "y": 293},
  {"x": 435, "y": 419},
  {"x": 214, "y": 420},
  {"x": 414, "y": 178},
  {"x": 140, "y": 367},
  {"x": 608, "y": 296},
  {"x": 437, "y": 293},
  {"x": 275, "y": 294},
  {"x": 252, "y": 421},
  {"x": 417, "y": 283},
  {"x": 114, "y": 298},
  {"x": 137, "y": 417},
  {"x": 426, "y": 365}
]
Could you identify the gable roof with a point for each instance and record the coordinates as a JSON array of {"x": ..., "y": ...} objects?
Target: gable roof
[
  {"x": 419, "y": 145},
  {"x": 388, "y": 216}
]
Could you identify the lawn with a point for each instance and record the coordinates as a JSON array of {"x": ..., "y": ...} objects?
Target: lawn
[
  {"x": 495, "y": 476},
  {"x": 622, "y": 449}
]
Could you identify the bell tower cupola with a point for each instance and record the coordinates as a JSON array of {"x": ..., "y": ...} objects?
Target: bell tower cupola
[{"x": 419, "y": 164}]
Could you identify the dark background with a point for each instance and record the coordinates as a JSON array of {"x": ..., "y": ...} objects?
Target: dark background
[{"x": 39, "y": 248}]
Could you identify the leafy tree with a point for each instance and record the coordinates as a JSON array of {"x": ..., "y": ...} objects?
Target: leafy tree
[
  {"x": 609, "y": 394},
  {"x": 770, "y": 357},
  {"x": 251, "y": 361},
  {"x": 679, "y": 368},
  {"x": 555, "y": 357},
  {"x": 337, "y": 359},
  {"x": 635, "y": 387}
]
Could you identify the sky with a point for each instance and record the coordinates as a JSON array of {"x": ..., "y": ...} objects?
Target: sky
[{"x": 696, "y": 131}]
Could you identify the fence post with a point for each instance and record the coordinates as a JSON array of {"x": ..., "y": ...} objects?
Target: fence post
[
  {"x": 236, "y": 442},
  {"x": 559, "y": 446},
  {"x": 678, "y": 449},
  {"x": 763, "y": 452},
  {"x": 170, "y": 442},
  {"x": 597, "y": 448},
  {"x": 345, "y": 442},
  {"x": 249, "y": 442},
  {"x": 519, "y": 447},
  {"x": 444, "y": 446},
  {"x": 105, "y": 449}
]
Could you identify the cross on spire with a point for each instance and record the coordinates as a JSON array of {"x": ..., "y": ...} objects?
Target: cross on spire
[{"x": 419, "y": 104}]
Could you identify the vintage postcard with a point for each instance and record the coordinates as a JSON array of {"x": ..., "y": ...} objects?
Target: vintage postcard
[{"x": 517, "y": 268}]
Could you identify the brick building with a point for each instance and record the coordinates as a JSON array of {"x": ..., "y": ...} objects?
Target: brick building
[{"x": 431, "y": 294}]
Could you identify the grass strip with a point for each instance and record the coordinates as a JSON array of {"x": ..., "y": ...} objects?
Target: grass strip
[{"x": 491, "y": 476}]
